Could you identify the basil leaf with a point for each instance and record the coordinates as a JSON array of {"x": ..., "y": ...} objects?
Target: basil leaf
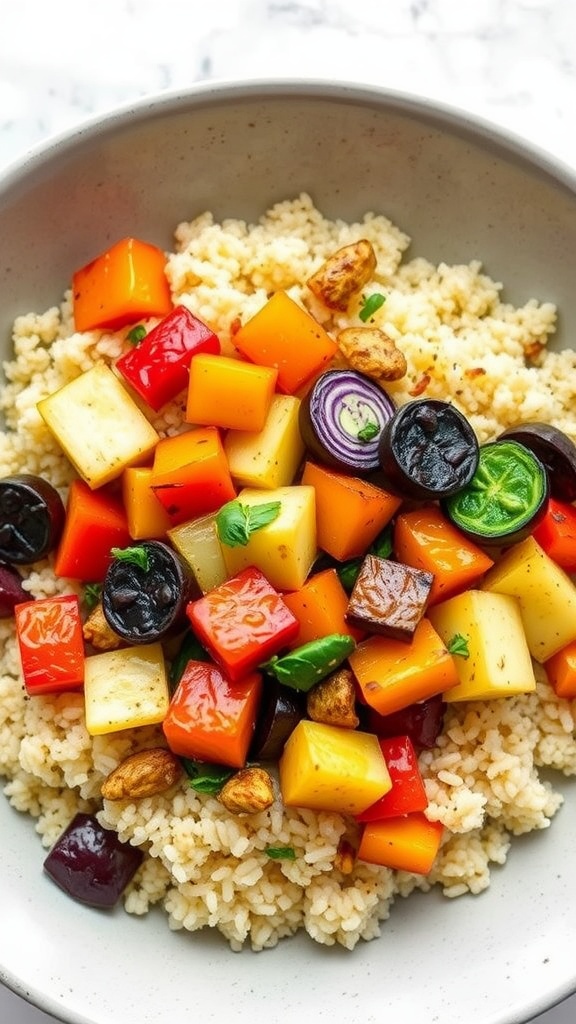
[
  {"x": 348, "y": 571},
  {"x": 382, "y": 546},
  {"x": 206, "y": 778},
  {"x": 302, "y": 668},
  {"x": 190, "y": 649},
  {"x": 235, "y": 523},
  {"x": 137, "y": 555},
  {"x": 370, "y": 304},
  {"x": 280, "y": 852},
  {"x": 458, "y": 645},
  {"x": 92, "y": 594},
  {"x": 369, "y": 431},
  {"x": 137, "y": 334}
]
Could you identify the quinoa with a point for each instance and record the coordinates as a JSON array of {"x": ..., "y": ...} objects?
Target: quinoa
[{"x": 485, "y": 778}]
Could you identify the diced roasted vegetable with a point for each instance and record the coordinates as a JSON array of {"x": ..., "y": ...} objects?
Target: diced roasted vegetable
[
  {"x": 125, "y": 689},
  {"x": 389, "y": 598},
  {"x": 124, "y": 284},
  {"x": 51, "y": 644},
  {"x": 91, "y": 864}
]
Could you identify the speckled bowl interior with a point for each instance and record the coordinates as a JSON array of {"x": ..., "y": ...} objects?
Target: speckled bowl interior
[{"x": 463, "y": 191}]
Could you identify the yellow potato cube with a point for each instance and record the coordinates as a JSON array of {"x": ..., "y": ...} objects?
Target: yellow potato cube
[
  {"x": 270, "y": 457},
  {"x": 285, "y": 549},
  {"x": 325, "y": 767},
  {"x": 98, "y": 425},
  {"x": 125, "y": 689},
  {"x": 546, "y": 594},
  {"x": 498, "y": 662}
]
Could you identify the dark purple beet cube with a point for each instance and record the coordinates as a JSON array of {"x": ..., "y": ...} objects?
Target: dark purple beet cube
[{"x": 91, "y": 864}]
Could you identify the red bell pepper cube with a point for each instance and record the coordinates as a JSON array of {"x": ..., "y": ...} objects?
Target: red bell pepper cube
[
  {"x": 556, "y": 533},
  {"x": 408, "y": 793},
  {"x": 95, "y": 522},
  {"x": 242, "y": 622},
  {"x": 157, "y": 368},
  {"x": 49, "y": 634},
  {"x": 210, "y": 718}
]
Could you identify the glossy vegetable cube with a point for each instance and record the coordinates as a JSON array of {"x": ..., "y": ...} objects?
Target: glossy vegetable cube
[
  {"x": 498, "y": 663},
  {"x": 197, "y": 541},
  {"x": 51, "y": 644},
  {"x": 393, "y": 674},
  {"x": 125, "y": 689},
  {"x": 561, "y": 672},
  {"x": 408, "y": 793},
  {"x": 325, "y": 767},
  {"x": 270, "y": 457},
  {"x": 98, "y": 425},
  {"x": 282, "y": 334},
  {"x": 556, "y": 533},
  {"x": 284, "y": 549},
  {"x": 320, "y": 606},
  {"x": 146, "y": 517},
  {"x": 190, "y": 474},
  {"x": 408, "y": 843},
  {"x": 211, "y": 718},
  {"x": 158, "y": 367},
  {"x": 95, "y": 523},
  {"x": 243, "y": 622},
  {"x": 546, "y": 595},
  {"x": 388, "y": 597},
  {"x": 229, "y": 393},
  {"x": 125, "y": 283}
]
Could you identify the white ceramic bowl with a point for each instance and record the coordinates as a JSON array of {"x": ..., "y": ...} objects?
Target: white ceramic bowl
[{"x": 463, "y": 190}]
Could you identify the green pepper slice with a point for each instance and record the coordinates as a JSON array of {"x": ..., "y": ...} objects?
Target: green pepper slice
[
  {"x": 506, "y": 496},
  {"x": 305, "y": 666}
]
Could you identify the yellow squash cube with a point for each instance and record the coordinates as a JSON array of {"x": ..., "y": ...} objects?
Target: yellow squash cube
[
  {"x": 197, "y": 541},
  {"x": 98, "y": 425},
  {"x": 324, "y": 767},
  {"x": 147, "y": 518},
  {"x": 285, "y": 549},
  {"x": 229, "y": 393},
  {"x": 269, "y": 458},
  {"x": 498, "y": 662},
  {"x": 125, "y": 689},
  {"x": 546, "y": 594}
]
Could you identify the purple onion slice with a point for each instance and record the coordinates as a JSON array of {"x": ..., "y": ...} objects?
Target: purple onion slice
[{"x": 342, "y": 418}]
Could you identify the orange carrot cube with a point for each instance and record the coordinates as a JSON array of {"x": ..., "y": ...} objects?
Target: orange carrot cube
[
  {"x": 229, "y": 393},
  {"x": 125, "y": 283},
  {"x": 190, "y": 475},
  {"x": 561, "y": 671},
  {"x": 409, "y": 843}
]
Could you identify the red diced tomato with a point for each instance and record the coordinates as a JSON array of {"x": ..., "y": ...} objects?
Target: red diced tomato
[
  {"x": 242, "y": 622},
  {"x": 408, "y": 793},
  {"x": 556, "y": 533},
  {"x": 49, "y": 633},
  {"x": 158, "y": 367}
]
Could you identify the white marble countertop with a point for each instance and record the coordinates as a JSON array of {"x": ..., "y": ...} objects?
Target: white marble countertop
[{"x": 510, "y": 61}]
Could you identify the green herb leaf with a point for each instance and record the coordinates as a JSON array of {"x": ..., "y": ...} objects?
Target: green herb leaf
[
  {"x": 136, "y": 335},
  {"x": 369, "y": 431},
  {"x": 382, "y": 545},
  {"x": 236, "y": 523},
  {"x": 206, "y": 778},
  {"x": 280, "y": 852},
  {"x": 137, "y": 555},
  {"x": 458, "y": 645},
  {"x": 371, "y": 303},
  {"x": 190, "y": 649},
  {"x": 348, "y": 573},
  {"x": 92, "y": 594},
  {"x": 307, "y": 665}
]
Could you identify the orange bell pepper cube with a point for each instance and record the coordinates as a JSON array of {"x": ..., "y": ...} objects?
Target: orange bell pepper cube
[
  {"x": 556, "y": 533},
  {"x": 242, "y": 622},
  {"x": 409, "y": 843},
  {"x": 95, "y": 522},
  {"x": 125, "y": 283},
  {"x": 350, "y": 512},
  {"x": 283, "y": 335},
  {"x": 561, "y": 671},
  {"x": 190, "y": 474},
  {"x": 146, "y": 517},
  {"x": 425, "y": 539},
  {"x": 210, "y": 718},
  {"x": 229, "y": 393},
  {"x": 320, "y": 607},
  {"x": 51, "y": 644},
  {"x": 392, "y": 674},
  {"x": 407, "y": 793}
]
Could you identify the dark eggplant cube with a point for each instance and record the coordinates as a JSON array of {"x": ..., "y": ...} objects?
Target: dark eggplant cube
[
  {"x": 91, "y": 864},
  {"x": 389, "y": 598},
  {"x": 422, "y": 722},
  {"x": 11, "y": 591}
]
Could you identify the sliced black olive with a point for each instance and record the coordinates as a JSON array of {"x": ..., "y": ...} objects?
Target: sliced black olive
[
  {"x": 91, "y": 864},
  {"x": 145, "y": 592},
  {"x": 555, "y": 449},
  {"x": 505, "y": 499},
  {"x": 341, "y": 419},
  {"x": 11, "y": 591},
  {"x": 280, "y": 711},
  {"x": 428, "y": 450},
  {"x": 32, "y": 516}
]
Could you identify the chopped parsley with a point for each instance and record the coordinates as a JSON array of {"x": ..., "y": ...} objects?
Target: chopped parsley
[
  {"x": 137, "y": 334},
  {"x": 136, "y": 555},
  {"x": 280, "y": 852},
  {"x": 370, "y": 304},
  {"x": 459, "y": 645}
]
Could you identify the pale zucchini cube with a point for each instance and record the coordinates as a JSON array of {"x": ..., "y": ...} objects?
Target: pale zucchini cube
[
  {"x": 270, "y": 457},
  {"x": 546, "y": 595},
  {"x": 197, "y": 542},
  {"x": 285, "y": 549},
  {"x": 98, "y": 425},
  {"x": 498, "y": 662},
  {"x": 125, "y": 689}
]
